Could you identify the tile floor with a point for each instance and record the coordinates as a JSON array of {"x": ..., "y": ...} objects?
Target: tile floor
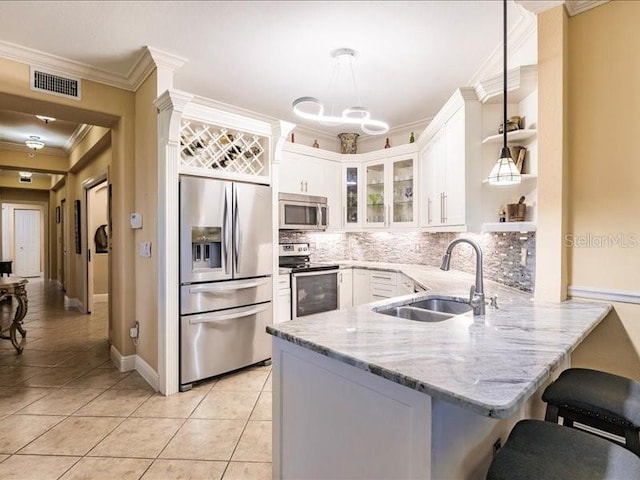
[{"x": 67, "y": 413}]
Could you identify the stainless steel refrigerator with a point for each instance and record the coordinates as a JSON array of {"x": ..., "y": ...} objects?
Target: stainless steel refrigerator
[{"x": 226, "y": 256}]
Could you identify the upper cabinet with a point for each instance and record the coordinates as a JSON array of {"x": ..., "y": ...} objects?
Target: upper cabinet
[
  {"x": 351, "y": 196},
  {"x": 390, "y": 189},
  {"x": 450, "y": 166}
]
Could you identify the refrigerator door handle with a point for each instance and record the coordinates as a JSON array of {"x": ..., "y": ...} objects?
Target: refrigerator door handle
[
  {"x": 225, "y": 232},
  {"x": 219, "y": 317},
  {"x": 236, "y": 233},
  {"x": 223, "y": 287}
]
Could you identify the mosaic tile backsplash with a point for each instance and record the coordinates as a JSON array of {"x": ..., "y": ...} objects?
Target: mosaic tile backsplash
[{"x": 503, "y": 252}]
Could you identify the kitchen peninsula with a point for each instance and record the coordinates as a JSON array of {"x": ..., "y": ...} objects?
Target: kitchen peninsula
[{"x": 359, "y": 394}]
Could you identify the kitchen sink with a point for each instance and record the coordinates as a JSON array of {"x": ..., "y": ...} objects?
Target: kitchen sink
[
  {"x": 444, "y": 305},
  {"x": 431, "y": 309},
  {"x": 417, "y": 314}
]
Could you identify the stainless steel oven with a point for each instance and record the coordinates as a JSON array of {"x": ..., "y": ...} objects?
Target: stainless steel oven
[
  {"x": 314, "y": 292},
  {"x": 302, "y": 212}
]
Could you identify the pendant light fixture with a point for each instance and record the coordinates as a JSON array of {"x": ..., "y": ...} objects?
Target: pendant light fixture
[
  {"x": 504, "y": 172},
  {"x": 34, "y": 143},
  {"x": 311, "y": 108}
]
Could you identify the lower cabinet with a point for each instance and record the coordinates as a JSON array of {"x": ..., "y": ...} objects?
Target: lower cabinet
[
  {"x": 345, "y": 287},
  {"x": 406, "y": 285},
  {"x": 283, "y": 311},
  {"x": 360, "y": 287}
]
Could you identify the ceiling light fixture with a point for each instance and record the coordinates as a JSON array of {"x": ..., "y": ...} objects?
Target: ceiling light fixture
[
  {"x": 34, "y": 143},
  {"x": 311, "y": 108},
  {"x": 504, "y": 172},
  {"x": 25, "y": 174},
  {"x": 45, "y": 119}
]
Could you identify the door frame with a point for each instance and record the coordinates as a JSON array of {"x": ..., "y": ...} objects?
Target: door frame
[
  {"x": 87, "y": 278},
  {"x": 41, "y": 246},
  {"x": 44, "y": 231}
]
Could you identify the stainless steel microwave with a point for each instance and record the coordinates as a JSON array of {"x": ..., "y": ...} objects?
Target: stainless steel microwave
[{"x": 302, "y": 212}]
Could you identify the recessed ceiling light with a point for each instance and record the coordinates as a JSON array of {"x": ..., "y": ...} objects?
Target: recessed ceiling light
[
  {"x": 25, "y": 174},
  {"x": 34, "y": 142},
  {"x": 45, "y": 119}
]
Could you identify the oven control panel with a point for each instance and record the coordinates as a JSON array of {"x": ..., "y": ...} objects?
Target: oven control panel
[{"x": 293, "y": 249}]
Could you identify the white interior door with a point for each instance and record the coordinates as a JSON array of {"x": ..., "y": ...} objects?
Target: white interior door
[{"x": 27, "y": 242}]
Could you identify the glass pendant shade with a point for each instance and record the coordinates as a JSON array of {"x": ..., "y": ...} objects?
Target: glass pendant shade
[{"x": 504, "y": 172}]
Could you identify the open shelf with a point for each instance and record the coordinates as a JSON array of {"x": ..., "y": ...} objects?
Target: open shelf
[
  {"x": 509, "y": 227},
  {"x": 512, "y": 137}
]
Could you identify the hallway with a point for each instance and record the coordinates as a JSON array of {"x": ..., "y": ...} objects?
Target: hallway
[{"x": 67, "y": 413}]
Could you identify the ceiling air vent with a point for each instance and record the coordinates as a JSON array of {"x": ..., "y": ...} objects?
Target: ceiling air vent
[{"x": 48, "y": 82}]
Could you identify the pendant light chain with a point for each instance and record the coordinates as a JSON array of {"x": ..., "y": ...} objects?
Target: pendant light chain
[{"x": 504, "y": 73}]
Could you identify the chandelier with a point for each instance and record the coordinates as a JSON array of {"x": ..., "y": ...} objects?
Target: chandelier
[{"x": 311, "y": 108}]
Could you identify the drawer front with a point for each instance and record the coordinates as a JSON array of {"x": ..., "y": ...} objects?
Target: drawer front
[
  {"x": 379, "y": 292},
  {"x": 284, "y": 281},
  {"x": 219, "y": 342},
  {"x": 383, "y": 278},
  {"x": 206, "y": 297}
]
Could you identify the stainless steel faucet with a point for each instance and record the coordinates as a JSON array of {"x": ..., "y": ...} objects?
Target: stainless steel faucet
[{"x": 476, "y": 296}]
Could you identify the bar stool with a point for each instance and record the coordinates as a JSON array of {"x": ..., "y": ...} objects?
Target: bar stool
[
  {"x": 598, "y": 399},
  {"x": 537, "y": 450}
]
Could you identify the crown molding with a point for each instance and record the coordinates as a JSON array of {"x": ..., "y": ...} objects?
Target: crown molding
[
  {"x": 525, "y": 27},
  {"x": 76, "y": 137},
  {"x": 149, "y": 59},
  {"x": 315, "y": 133},
  {"x": 575, "y": 7},
  {"x": 21, "y": 147},
  {"x": 521, "y": 82}
]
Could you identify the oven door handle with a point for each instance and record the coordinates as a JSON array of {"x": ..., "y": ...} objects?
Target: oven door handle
[
  {"x": 227, "y": 288},
  {"x": 220, "y": 317},
  {"x": 317, "y": 272}
]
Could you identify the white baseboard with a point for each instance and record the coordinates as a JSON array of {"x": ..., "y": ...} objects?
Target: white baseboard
[
  {"x": 100, "y": 297},
  {"x": 622, "y": 296},
  {"x": 135, "y": 362},
  {"x": 148, "y": 373},
  {"x": 72, "y": 304},
  {"x": 123, "y": 363}
]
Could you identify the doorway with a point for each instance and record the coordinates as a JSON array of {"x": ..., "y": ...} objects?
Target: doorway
[
  {"x": 27, "y": 242},
  {"x": 97, "y": 235}
]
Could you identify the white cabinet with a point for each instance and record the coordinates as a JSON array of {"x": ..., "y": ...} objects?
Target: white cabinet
[
  {"x": 360, "y": 287},
  {"x": 283, "y": 311},
  {"x": 382, "y": 285},
  {"x": 450, "y": 165},
  {"x": 302, "y": 170},
  {"x": 351, "y": 196},
  {"x": 390, "y": 190},
  {"x": 406, "y": 285},
  {"x": 345, "y": 287}
]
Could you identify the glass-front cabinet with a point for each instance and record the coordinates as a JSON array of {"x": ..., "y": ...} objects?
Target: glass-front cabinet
[
  {"x": 402, "y": 208},
  {"x": 377, "y": 212},
  {"x": 351, "y": 181}
]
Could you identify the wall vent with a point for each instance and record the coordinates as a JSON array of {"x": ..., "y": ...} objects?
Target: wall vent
[
  {"x": 54, "y": 84},
  {"x": 25, "y": 179}
]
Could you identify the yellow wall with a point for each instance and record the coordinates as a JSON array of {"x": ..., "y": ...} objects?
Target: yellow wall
[
  {"x": 111, "y": 108},
  {"x": 604, "y": 191},
  {"x": 146, "y": 171}
]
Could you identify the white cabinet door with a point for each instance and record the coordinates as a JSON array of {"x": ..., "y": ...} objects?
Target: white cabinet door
[
  {"x": 345, "y": 284},
  {"x": 351, "y": 196},
  {"x": 332, "y": 173},
  {"x": 283, "y": 313},
  {"x": 291, "y": 173},
  {"x": 454, "y": 181},
  {"x": 406, "y": 285},
  {"x": 432, "y": 175},
  {"x": 360, "y": 287},
  {"x": 403, "y": 191},
  {"x": 376, "y": 196}
]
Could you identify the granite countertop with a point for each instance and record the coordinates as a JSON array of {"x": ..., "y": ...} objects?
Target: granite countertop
[{"x": 490, "y": 365}]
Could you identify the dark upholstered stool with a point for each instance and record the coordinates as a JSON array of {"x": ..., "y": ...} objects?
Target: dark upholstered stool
[
  {"x": 598, "y": 399},
  {"x": 537, "y": 450}
]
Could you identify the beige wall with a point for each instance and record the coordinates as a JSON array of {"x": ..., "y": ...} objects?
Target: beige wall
[
  {"x": 146, "y": 171},
  {"x": 56, "y": 243},
  {"x": 604, "y": 191},
  {"x": 112, "y": 108}
]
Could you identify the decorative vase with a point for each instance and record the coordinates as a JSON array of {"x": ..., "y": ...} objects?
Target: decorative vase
[{"x": 348, "y": 142}]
